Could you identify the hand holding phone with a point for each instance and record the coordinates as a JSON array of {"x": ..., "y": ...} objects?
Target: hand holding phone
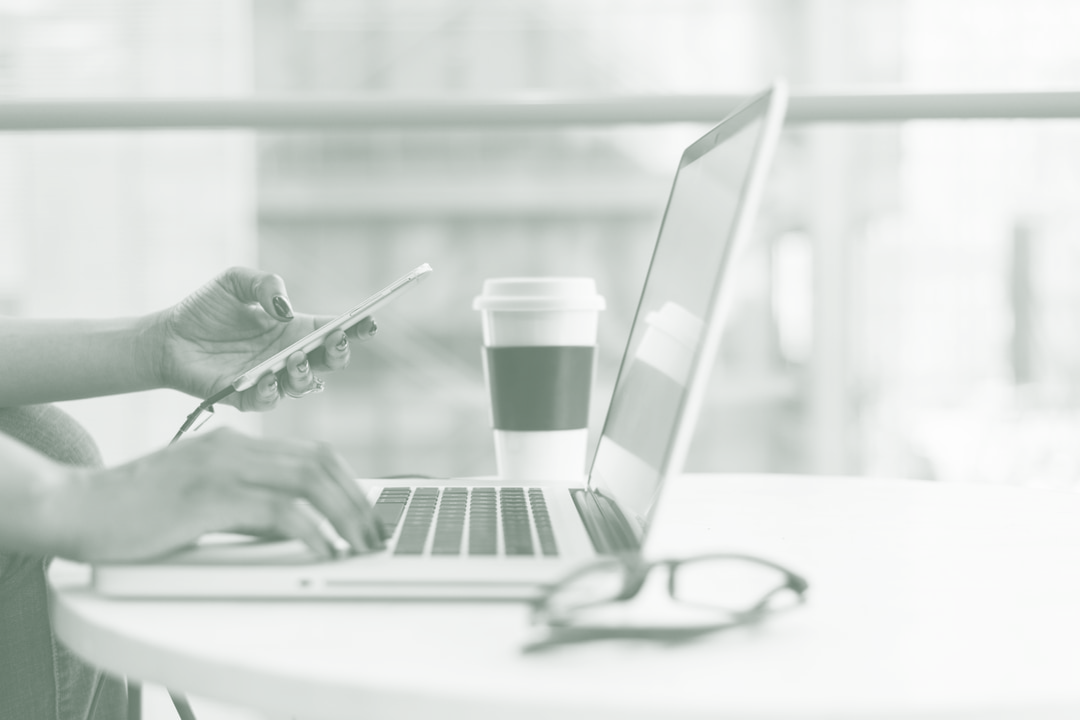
[
  {"x": 306, "y": 344},
  {"x": 344, "y": 321}
]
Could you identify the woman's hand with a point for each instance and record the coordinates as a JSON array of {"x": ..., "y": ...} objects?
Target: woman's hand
[
  {"x": 218, "y": 481},
  {"x": 235, "y": 321}
]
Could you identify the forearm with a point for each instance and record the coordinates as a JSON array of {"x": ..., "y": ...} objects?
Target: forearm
[
  {"x": 31, "y": 487},
  {"x": 53, "y": 360}
]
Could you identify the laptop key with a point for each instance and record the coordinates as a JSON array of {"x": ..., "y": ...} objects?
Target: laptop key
[
  {"x": 390, "y": 505},
  {"x": 544, "y": 531},
  {"x": 417, "y": 524},
  {"x": 517, "y": 536},
  {"x": 451, "y": 523},
  {"x": 482, "y": 522},
  {"x": 389, "y": 513}
]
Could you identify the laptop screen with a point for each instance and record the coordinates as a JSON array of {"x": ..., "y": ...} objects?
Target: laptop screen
[{"x": 657, "y": 393}]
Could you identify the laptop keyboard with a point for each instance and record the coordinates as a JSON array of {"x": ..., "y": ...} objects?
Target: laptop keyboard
[{"x": 467, "y": 521}]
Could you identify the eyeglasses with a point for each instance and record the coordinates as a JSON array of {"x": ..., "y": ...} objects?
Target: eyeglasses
[{"x": 702, "y": 594}]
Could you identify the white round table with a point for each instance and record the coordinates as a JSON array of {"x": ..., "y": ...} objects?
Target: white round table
[{"x": 926, "y": 600}]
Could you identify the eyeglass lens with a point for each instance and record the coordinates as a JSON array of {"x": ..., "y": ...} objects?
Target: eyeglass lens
[
  {"x": 599, "y": 583},
  {"x": 731, "y": 583}
]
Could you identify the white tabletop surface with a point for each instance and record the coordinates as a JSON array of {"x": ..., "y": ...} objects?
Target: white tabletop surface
[{"x": 926, "y": 600}]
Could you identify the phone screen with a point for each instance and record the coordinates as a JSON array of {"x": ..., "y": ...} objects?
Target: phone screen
[{"x": 342, "y": 322}]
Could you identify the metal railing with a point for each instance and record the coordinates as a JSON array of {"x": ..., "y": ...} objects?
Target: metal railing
[{"x": 344, "y": 113}]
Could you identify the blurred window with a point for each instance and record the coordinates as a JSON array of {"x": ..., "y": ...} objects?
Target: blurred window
[{"x": 907, "y": 307}]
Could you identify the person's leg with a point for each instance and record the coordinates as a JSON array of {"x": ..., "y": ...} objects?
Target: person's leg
[
  {"x": 27, "y": 676},
  {"x": 39, "y": 677}
]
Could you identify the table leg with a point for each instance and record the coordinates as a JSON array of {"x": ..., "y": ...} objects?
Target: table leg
[
  {"x": 134, "y": 703},
  {"x": 183, "y": 707}
]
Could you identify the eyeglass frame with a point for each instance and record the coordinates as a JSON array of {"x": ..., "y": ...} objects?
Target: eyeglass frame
[{"x": 636, "y": 572}]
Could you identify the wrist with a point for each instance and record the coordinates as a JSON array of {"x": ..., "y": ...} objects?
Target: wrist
[
  {"x": 41, "y": 505},
  {"x": 150, "y": 350},
  {"x": 58, "y": 515}
]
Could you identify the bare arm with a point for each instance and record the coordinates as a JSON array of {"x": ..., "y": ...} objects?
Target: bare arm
[
  {"x": 221, "y": 480},
  {"x": 53, "y": 360},
  {"x": 218, "y": 481},
  {"x": 197, "y": 346},
  {"x": 29, "y": 485}
]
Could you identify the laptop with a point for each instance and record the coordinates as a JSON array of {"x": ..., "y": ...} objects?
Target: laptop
[{"x": 481, "y": 539}]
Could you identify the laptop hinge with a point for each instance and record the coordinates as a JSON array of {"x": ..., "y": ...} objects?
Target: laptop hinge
[{"x": 608, "y": 528}]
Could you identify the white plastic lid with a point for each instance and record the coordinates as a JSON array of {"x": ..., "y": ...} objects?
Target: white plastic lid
[
  {"x": 539, "y": 293},
  {"x": 678, "y": 322}
]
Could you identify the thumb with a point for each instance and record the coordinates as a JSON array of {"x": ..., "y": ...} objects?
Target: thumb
[{"x": 266, "y": 289}]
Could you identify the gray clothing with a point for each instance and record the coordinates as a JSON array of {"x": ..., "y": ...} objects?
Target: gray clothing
[{"x": 40, "y": 679}]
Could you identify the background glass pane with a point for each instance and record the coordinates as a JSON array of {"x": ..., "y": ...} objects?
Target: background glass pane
[
  {"x": 108, "y": 223},
  {"x": 907, "y": 308}
]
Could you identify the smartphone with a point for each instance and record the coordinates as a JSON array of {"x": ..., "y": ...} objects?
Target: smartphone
[{"x": 341, "y": 322}]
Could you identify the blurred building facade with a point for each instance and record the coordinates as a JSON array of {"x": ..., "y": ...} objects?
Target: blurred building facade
[
  {"x": 906, "y": 309},
  {"x": 340, "y": 213}
]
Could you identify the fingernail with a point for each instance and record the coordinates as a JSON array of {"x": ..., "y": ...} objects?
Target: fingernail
[
  {"x": 344, "y": 343},
  {"x": 272, "y": 388},
  {"x": 303, "y": 366},
  {"x": 374, "y": 328},
  {"x": 282, "y": 307}
]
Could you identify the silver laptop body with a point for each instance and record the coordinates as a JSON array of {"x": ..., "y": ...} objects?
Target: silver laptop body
[{"x": 479, "y": 552}]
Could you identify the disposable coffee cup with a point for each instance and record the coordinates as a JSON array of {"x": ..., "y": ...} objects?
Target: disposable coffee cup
[{"x": 539, "y": 359}]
